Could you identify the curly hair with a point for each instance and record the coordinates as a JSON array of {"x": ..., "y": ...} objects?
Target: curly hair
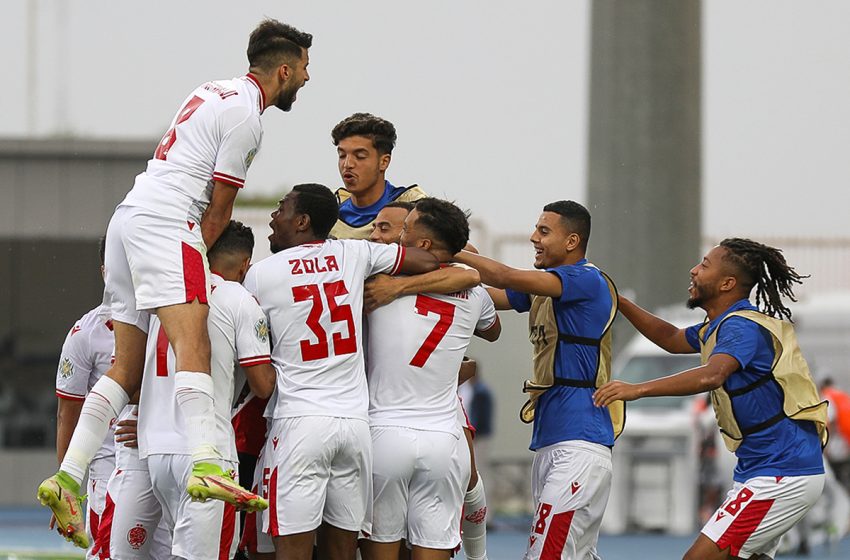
[
  {"x": 318, "y": 202},
  {"x": 236, "y": 238},
  {"x": 380, "y": 131},
  {"x": 272, "y": 41},
  {"x": 765, "y": 268},
  {"x": 448, "y": 223}
]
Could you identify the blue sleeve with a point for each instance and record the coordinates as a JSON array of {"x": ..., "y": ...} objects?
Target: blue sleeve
[
  {"x": 739, "y": 338},
  {"x": 692, "y": 336},
  {"x": 578, "y": 283},
  {"x": 519, "y": 301}
]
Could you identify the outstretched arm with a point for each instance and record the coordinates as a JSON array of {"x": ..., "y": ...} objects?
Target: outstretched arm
[
  {"x": 663, "y": 334},
  {"x": 493, "y": 273},
  {"x": 382, "y": 289},
  {"x": 689, "y": 382}
]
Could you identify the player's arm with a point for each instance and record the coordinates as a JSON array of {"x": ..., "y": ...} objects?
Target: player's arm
[
  {"x": 217, "y": 215},
  {"x": 417, "y": 261},
  {"x": 491, "y": 333},
  {"x": 665, "y": 335},
  {"x": 467, "y": 370},
  {"x": 67, "y": 416},
  {"x": 500, "y": 298},
  {"x": 689, "y": 382},
  {"x": 261, "y": 379},
  {"x": 493, "y": 273},
  {"x": 382, "y": 289}
]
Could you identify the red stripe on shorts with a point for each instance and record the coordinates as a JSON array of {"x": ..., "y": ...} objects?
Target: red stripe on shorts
[
  {"x": 94, "y": 524},
  {"x": 249, "y": 532},
  {"x": 556, "y": 538},
  {"x": 273, "y": 527},
  {"x": 194, "y": 275},
  {"x": 228, "y": 528},
  {"x": 101, "y": 545},
  {"x": 744, "y": 526}
]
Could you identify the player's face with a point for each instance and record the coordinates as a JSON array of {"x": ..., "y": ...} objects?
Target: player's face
[
  {"x": 706, "y": 278},
  {"x": 360, "y": 165},
  {"x": 284, "y": 224},
  {"x": 552, "y": 241},
  {"x": 296, "y": 81},
  {"x": 412, "y": 234},
  {"x": 388, "y": 225}
]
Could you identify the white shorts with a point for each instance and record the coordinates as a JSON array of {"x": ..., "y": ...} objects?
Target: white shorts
[
  {"x": 321, "y": 470},
  {"x": 151, "y": 262},
  {"x": 254, "y": 540},
  {"x": 758, "y": 512},
  {"x": 201, "y": 530},
  {"x": 95, "y": 503},
  {"x": 463, "y": 417},
  {"x": 570, "y": 483},
  {"x": 130, "y": 528},
  {"x": 420, "y": 478}
]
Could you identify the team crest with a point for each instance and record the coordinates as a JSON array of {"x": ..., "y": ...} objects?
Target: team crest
[
  {"x": 249, "y": 159},
  {"x": 137, "y": 536},
  {"x": 261, "y": 329},
  {"x": 66, "y": 368}
]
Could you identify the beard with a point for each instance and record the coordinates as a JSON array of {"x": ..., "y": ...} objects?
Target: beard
[
  {"x": 701, "y": 295},
  {"x": 285, "y": 100}
]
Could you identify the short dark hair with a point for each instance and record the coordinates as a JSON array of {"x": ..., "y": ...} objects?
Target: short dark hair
[
  {"x": 409, "y": 206},
  {"x": 448, "y": 223},
  {"x": 236, "y": 238},
  {"x": 575, "y": 217},
  {"x": 380, "y": 131},
  {"x": 318, "y": 202},
  {"x": 272, "y": 41},
  {"x": 101, "y": 250}
]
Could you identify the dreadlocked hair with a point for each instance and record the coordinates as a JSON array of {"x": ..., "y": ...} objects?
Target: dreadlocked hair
[{"x": 765, "y": 268}]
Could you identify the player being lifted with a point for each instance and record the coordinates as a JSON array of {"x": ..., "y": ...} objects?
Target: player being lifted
[
  {"x": 319, "y": 448},
  {"x": 156, "y": 260},
  {"x": 416, "y": 343}
]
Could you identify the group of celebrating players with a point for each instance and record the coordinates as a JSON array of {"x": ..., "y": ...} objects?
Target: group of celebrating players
[{"x": 367, "y": 446}]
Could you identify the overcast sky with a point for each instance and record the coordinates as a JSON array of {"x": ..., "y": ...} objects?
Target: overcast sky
[{"x": 489, "y": 97}]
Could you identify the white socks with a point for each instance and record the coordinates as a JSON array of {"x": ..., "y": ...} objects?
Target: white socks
[
  {"x": 474, "y": 523},
  {"x": 194, "y": 394},
  {"x": 101, "y": 407}
]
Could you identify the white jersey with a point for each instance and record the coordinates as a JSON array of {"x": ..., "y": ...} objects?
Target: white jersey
[
  {"x": 127, "y": 458},
  {"x": 239, "y": 334},
  {"x": 213, "y": 137},
  {"x": 313, "y": 297},
  {"x": 86, "y": 356},
  {"x": 415, "y": 347}
]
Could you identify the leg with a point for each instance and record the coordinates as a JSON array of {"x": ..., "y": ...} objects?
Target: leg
[
  {"x": 705, "y": 549},
  {"x": 295, "y": 547},
  {"x": 372, "y": 550},
  {"x": 421, "y": 553},
  {"x": 337, "y": 544},
  {"x": 474, "y": 522}
]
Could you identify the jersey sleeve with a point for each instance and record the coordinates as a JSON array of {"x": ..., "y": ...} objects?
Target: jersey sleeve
[
  {"x": 738, "y": 337},
  {"x": 519, "y": 301},
  {"x": 75, "y": 366},
  {"x": 384, "y": 258},
  {"x": 488, "y": 311},
  {"x": 239, "y": 145},
  {"x": 692, "y": 336},
  {"x": 252, "y": 333}
]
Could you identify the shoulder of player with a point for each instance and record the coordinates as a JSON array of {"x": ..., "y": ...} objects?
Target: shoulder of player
[{"x": 410, "y": 193}]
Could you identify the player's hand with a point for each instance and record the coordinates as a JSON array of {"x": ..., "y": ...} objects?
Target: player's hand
[
  {"x": 380, "y": 290},
  {"x": 127, "y": 432},
  {"x": 615, "y": 391}
]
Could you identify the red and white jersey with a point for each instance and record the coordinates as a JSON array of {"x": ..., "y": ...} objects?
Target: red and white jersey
[
  {"x": 86, "y": 356},
  {"x": 214, "y": 137},
  {"x": 313, "y": 297},
  {"x": 127, "y": 458},
  {"x": 415, "y": 347},
  {"x": 239, "y": 334}
]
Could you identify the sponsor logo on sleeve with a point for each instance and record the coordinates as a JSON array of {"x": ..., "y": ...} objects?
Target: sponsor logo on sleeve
[
  {"x": 66, "y": 368},
  {"x": 249, "y": 159},
  {"x": 261, "y": 329}
]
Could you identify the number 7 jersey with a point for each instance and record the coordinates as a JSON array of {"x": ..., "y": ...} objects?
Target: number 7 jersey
[{"x": 312, "y": 295}]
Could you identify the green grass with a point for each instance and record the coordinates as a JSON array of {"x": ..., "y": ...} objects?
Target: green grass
[{"x": 11, "y": 555}]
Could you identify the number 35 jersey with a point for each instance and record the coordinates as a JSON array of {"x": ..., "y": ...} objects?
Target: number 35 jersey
[
  {"x": 415, "y": 346},
  {"x": 312, "y": 295}
]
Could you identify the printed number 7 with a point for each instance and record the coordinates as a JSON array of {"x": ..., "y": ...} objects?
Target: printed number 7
[{"x": 446, "y": 311}]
